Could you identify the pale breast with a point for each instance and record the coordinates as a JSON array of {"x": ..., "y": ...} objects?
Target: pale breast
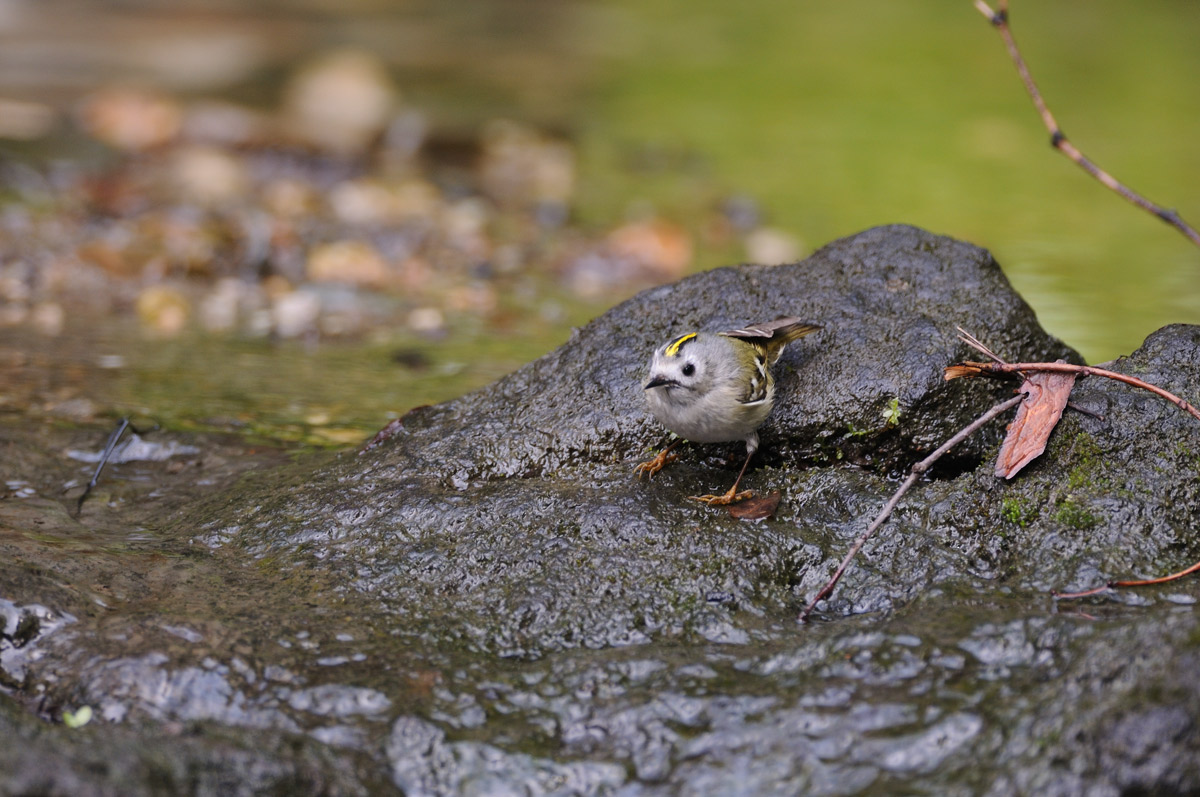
[{"x": 718, "y": 416}]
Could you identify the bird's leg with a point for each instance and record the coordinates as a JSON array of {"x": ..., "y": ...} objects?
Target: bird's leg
[
  {"x": 731, "y": 497},
  {"x": 664, "y": 458}
]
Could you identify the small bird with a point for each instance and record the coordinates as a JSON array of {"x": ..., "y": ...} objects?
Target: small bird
[{"x": 717, "y": 387}]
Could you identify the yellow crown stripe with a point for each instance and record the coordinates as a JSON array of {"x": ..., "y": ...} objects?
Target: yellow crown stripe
[{"x": 673, "y": 349}]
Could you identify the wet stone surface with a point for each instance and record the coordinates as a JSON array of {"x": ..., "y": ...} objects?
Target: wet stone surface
[{"x": 489, "y": 602}]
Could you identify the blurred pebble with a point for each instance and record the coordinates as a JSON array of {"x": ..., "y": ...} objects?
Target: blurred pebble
[
  {"x": 14, "y": 283},
  {"x": 340, "y": 103},
  {"x": 25, "y": 121},
  {"x": 184, "y": 238},
  {"x": 275, "y": 286},
  {"x": 403, "y": 139},
  {"x": 552, "y": 312},
  {"x": 75, "y": 409},
  {"x": 476, "y": 297},
  {"x": 415, "y": 275},
  {"x": 464, "y": 228},
  {"x": 742, "y": 213},
  {"x": 343, "y": 436},
  {"x": 223, "y": 123},
  {"x": 465, "y": 218},
  {"x": 662, "y": 250},
  {"x": 522, "y": 167},
  {"x": 771, "y": 247},
  {"x": 218, "y": 311},
  {"x": 108, "y": 257},
  {"x": 163, "y": 309},
  {"x": 426, "y": 320},
  {"x": 292, "y": 242},
  {"x": 131, "y": 119},
  {"x": 259, "y": 323},
  {"x": 295, "y": 314},
  {"x": 638, "y": 253},
  {"x": 417, "y": 199},
  {"x": 343, "y": 309},
  {"x": 353, "y": 262},
  {"x": 47, "y": 318},
  {"x": 13, "y": 315},
  {"x": 508, "y": 258},
  {"x": 287, "y": 197},
  {"x": 362, "y": 202},
  {"x": 207, "y": 175},
  {"x": 551, "y": 214}
]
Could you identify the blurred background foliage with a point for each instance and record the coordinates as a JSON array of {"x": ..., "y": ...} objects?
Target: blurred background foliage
[
  {"x": 840, "y": 116},
  {"x": 760, "y": 130}
]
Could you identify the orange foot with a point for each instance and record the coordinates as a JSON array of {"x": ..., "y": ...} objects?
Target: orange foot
[
  {"x": 731, "y": 497},
  {"x": 664, "y": 458}
]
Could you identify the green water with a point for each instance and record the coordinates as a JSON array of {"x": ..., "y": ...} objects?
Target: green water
[
  {"x": 841, "y": 116},
  {"x": 333, "y": 394}
]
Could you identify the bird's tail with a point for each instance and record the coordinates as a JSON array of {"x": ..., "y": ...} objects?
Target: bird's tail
[{"x": 774, "y": 336}]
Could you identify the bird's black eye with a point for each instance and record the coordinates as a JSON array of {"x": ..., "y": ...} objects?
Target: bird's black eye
[{"x": 689, "y": 369}]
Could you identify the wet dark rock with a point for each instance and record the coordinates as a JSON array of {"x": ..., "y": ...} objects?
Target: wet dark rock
[
  {"x": 889, "y": 298},
  {"x": 488, "y": 601},
  {"x": 39, "y": 758}
]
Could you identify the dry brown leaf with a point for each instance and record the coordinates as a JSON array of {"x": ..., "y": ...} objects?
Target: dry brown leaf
[
  {"x": 758, "y": 507},
  {"x": 1046, "y": 395},
  {"x": 961, "y": 370}
]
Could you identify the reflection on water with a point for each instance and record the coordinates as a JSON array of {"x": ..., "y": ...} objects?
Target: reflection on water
[{"x": 333, "y": 395}]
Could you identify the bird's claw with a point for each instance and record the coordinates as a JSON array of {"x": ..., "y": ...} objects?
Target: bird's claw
[
  {"x": 659, "y": 462},
  {"x": 731, "y": 497}
]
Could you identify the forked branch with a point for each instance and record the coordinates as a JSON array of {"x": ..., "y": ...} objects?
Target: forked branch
[
  {"x": 1029, "y": 443},
  {"x": 976, "y": 369}
]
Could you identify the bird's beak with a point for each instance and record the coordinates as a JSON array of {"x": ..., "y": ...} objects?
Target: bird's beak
[{"x": 658, "y": 381}]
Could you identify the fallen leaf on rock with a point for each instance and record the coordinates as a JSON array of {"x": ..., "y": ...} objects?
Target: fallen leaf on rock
[
  {"x": 1046, "y": 395},
  {"x": 758, "y": 507}
]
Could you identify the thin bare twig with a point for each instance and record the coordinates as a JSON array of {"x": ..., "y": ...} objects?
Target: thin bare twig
[
  {"x": 974, "y": 342},
  {"x": 1001, "y": 367},
  {"x": 917, "y": 470},
  {"x": 970, "y": 368},
  {"x": 1058, "y": 139},
  {"x": 1086, "y": 593},
  {"x": 1145, "y": 582},
  {"x": 114, "y": 437}
]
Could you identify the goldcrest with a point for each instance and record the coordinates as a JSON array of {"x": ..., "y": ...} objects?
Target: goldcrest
[{"x": 718, "y": 387}]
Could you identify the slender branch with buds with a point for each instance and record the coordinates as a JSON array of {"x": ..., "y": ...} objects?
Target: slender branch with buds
[{"x": 1058, "y": 139}]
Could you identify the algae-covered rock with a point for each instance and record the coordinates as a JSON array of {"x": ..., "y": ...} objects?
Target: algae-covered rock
[{"x": 489, "y": 601}]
